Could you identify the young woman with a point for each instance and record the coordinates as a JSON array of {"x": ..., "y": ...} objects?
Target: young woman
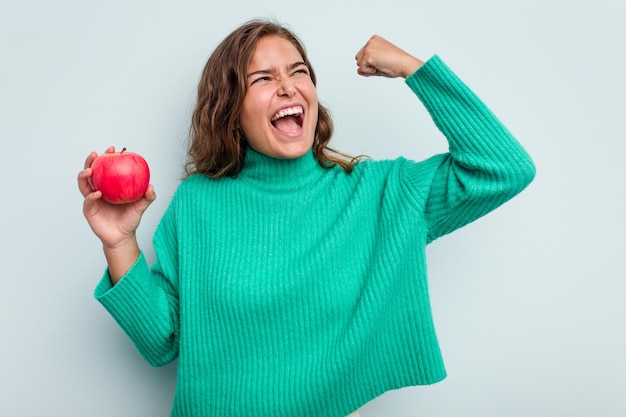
[{"x": 290, "y": 279}]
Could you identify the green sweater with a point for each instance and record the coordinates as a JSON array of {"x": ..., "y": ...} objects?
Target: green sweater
[{"x": 297, "y": 290}]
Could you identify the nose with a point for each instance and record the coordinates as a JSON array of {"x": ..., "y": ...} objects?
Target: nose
[{"x": 287, "y": 88}]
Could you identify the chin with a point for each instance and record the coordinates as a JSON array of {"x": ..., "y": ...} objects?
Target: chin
[{"x": 292, "y": 151}]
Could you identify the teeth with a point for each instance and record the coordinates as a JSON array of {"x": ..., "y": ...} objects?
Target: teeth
[{"x": 288, "y": 112}]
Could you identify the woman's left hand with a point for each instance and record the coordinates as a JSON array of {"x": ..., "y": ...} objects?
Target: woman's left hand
[{"x": 379, "y": 57}]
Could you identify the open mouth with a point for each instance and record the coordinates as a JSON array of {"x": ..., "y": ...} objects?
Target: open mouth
[{"x": 288, "y": 120}]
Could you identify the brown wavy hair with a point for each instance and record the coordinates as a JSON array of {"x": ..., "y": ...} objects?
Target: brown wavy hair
[{"x": 217, "y": 146}]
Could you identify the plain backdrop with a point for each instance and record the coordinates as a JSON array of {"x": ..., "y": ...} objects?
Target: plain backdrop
[{"x": 528, "y": 301}]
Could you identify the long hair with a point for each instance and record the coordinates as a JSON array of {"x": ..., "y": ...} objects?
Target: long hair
[{"x": 217, "y": 146}]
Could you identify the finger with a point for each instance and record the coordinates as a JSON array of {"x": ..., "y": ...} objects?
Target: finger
[
  {"x": 110, "y": 149},
  {"x": 150, "y": 194},
  {"x": 359, "y": 55},
  {"x": 364, "y": 63},
  {"x": 367, "y": 71},
  {"x": 363, "y": 58},
  {"x": 84, "y": 183},
  {"x": 90, "y": 159},
  {"x": 90, "y": 201},
  {"x": 142, "y": 204}
]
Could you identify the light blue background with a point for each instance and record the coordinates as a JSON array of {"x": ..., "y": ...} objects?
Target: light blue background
[{"x": 528, "y": 301}]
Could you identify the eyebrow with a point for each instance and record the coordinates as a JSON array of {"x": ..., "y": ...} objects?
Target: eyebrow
[{"x": 268, "y": 71}]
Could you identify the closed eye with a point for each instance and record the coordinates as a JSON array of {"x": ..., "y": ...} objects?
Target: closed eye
[
  {"x": 266, "y": 75},
  {"x": 300, "y": 68},
  {"x": 260, "y": 79}
]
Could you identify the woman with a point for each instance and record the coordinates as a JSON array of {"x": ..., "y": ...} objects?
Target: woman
[{"x": 290, "y": 279}]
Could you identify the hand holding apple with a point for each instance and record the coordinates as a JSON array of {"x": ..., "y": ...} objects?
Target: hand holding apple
[
  {"x": 115, "y": 224},
  {"x": 121, "y": 177}
]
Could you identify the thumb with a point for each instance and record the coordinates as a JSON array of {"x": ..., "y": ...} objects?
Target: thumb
[
  {"x": 142, "y": 204},
  {"x": 367, "y": 71}
]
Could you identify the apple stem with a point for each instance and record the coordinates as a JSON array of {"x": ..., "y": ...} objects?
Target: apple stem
[{"x": 123, "y": 150}]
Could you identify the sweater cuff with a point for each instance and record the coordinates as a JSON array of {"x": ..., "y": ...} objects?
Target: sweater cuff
[
  {"x": 431, "y": 64},
  {"x": 433, "y": 72},
  {"x": 106, "y": 291}
]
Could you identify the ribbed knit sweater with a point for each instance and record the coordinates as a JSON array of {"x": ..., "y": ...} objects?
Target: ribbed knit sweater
[{"x": 298, "y": 290}]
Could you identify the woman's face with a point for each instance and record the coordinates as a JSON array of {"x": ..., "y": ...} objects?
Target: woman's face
[{"x": 279, "y": 112}]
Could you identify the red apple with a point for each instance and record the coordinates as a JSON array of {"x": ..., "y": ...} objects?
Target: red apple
[{"x": 122, "y": 177}]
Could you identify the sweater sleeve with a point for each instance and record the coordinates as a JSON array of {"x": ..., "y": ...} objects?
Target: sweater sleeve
[
  {"x": 145, "y": 301},
  {"x": 485, "y": 165}
]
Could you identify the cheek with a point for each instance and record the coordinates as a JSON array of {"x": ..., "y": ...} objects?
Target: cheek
[
  {"x": 256, "y": 103},
  {"x": 311, "y": 97},
  {"x": 314, "y": 117},
  {"x": 314, "y": 110},
  {"x": 310, "y": 91},
  {"x": 249, "y": 117}
]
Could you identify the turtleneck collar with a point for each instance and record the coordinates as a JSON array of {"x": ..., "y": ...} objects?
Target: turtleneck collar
[{"x": 280, "y": 174}]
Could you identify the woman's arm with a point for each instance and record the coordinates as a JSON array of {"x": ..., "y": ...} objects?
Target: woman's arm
[
  {"x": 485, "y": 166},
  {"x": 145, "y": 301}
]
